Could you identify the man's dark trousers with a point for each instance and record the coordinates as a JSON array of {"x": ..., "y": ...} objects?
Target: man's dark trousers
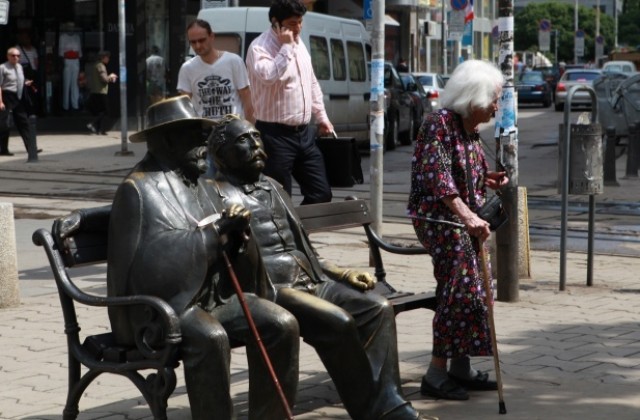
[
  {"x": 293, "y": 151},
  {"x": 21, "y": 120}
]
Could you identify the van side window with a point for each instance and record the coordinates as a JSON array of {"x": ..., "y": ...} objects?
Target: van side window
[
  {"x": 319, "y": 52},
  {"x": 337, "y": 55},
  {"x": 228, "y": 42},
  {"x": 357, "y": 63}
]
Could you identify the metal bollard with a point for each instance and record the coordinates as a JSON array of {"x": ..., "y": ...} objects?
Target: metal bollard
[
  {"x": 9, "y": 290},
  {"x": 32, "y": 145},
  {"x": 610, "y": 158},
  {"x": 632, "y": 151}
]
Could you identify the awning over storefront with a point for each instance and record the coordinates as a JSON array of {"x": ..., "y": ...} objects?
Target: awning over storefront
[{"x": 388, "y": 20}]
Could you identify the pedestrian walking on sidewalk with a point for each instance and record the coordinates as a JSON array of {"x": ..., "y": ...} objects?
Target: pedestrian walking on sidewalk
[
  {"x": 449, "y": 177},
  {"x": 12, "y": 87},
  {"x": 98, "y": 93},
  {"x": 285, "y": 87},
  {"x": 215, "y": 80}
]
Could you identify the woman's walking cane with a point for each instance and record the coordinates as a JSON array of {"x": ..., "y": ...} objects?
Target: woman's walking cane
[
  {"x": 256, "y": 335},
  {"x": 494, "y": 345}
]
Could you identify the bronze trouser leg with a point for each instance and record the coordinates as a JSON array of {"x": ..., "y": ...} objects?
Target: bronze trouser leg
[
  {"x": 354, "y": 335},
  {"x": 279, "y": 332},
  {"x": 206, "y": 357}
]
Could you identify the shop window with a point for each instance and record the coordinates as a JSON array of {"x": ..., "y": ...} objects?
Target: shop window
[{"x": 156, "y": 62}]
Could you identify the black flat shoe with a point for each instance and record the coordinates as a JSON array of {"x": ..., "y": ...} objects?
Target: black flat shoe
[
  {"x": 449, "y": 390},
  {"x": 6, "y": 154},
  {"x": 480, "y": 383}
]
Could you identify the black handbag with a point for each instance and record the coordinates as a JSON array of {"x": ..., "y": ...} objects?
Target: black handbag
[
  {"x": 492, "y": 210},
  {"x": 341, "y": 160}
]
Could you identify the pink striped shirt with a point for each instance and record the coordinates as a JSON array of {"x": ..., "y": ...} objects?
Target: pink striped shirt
[{"x": 284, "y": 88}]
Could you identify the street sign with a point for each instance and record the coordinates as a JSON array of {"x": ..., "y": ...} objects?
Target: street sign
[
  {"x": 456, "y": 24},
  {"x": 545, "y": 25},
  {"x": 579, "y": 43},
  {"x": 459, "y": 4},
  {"x": 208, "y": 4},
  {"x": 367, "y": 10},
  {"x": 467, "y": 35},
  {"x": 544, "y": 35}
]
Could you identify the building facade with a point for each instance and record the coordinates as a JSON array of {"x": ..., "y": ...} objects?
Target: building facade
[{"x": 70, "y": 33}]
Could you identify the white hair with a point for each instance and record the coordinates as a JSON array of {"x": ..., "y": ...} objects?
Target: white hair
[{"x": 473, "y": 84}]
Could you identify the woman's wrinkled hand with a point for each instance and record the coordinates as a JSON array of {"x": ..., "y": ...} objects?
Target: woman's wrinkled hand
[
  {"x": 496, "y": 180},
  {"x": 477, "y": 227}
]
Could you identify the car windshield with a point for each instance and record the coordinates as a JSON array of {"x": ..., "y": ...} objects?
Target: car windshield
[
  {"x": 580, "y": 76},
  {"x": 531, "y": 78},
  {"x": 619, "y": 68},
  {"x": 426, "y": 80}
]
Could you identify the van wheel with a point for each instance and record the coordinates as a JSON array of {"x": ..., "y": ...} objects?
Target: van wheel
[
  {"x": 407, "y": 136},
  {"x": 391, "y": 140}
]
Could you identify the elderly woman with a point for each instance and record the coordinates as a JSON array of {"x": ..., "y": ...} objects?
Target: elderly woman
[{"x": 448, "y": 153}]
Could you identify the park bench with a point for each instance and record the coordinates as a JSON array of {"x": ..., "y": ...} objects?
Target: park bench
[{"x": 157, "y": 343}]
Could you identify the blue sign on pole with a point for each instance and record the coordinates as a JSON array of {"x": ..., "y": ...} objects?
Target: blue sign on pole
[
  {"x": 459, "y": 4},
  {"x": 367, "y": 10},
  {"x": 467, "y": 35},
  {"x": 545, "y": 25}
]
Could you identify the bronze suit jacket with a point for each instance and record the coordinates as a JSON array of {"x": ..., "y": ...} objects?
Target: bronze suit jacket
[{"x": 155, "y": 247}]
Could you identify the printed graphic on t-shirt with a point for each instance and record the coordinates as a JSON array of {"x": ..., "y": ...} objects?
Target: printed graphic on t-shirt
[{"x": 216, "y": 96}]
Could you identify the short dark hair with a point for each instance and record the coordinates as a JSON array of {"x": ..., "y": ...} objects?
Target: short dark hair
[
  {"x": 284, "y": 9},
  {"x": 201, "y": 23}
]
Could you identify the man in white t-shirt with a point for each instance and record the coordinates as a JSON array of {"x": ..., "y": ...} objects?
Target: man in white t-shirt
[{"x": 216, "y": 80}]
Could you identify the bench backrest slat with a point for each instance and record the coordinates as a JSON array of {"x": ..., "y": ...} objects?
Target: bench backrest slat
[{"x": 336, "y": 215}]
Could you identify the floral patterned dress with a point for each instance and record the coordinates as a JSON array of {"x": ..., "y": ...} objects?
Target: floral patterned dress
[{"x": 439, "y": 169}]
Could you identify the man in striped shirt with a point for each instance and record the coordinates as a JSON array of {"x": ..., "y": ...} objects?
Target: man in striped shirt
[{"x": 286, "y": 95}]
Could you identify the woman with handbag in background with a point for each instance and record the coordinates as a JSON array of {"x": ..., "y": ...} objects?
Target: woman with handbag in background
[{"x": 449, "y": 177}]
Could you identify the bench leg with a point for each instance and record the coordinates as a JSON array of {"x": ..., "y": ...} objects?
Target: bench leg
[
  {"x": 77, "y": 387},
  {"x": 156, "y": 389}
]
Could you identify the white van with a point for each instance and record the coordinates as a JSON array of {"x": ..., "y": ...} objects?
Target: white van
[{"x": 339, "y": 49}]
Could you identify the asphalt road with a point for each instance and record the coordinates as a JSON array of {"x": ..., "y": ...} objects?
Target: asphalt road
[{"x": 79, "y": 170}]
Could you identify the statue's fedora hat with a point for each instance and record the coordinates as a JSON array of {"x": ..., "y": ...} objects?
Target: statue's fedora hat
[{"x": 171, "y": 111}]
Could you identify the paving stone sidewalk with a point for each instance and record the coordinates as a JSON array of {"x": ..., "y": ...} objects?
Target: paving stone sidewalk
[{"x": 564, "y": 355}]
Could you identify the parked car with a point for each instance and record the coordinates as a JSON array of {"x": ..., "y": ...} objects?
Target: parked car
[
  {"x": 551, "y": 75},
  {"x": 420, "y": 98},
  {"x": 433, "y": 83},
  {"x": 619, "y": 66},
  {"x": 400, "y": 112},
  {"x": 533, "y": 88},
  {"x": 573, "y": 77}
]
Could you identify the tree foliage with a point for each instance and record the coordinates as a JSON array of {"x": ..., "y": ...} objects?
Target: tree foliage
[
  {"x": 561, "y": 16},
  {"x": 629, "y": 24}
]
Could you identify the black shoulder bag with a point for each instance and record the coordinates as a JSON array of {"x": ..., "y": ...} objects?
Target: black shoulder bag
[{"x": 492, "y": 210}]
